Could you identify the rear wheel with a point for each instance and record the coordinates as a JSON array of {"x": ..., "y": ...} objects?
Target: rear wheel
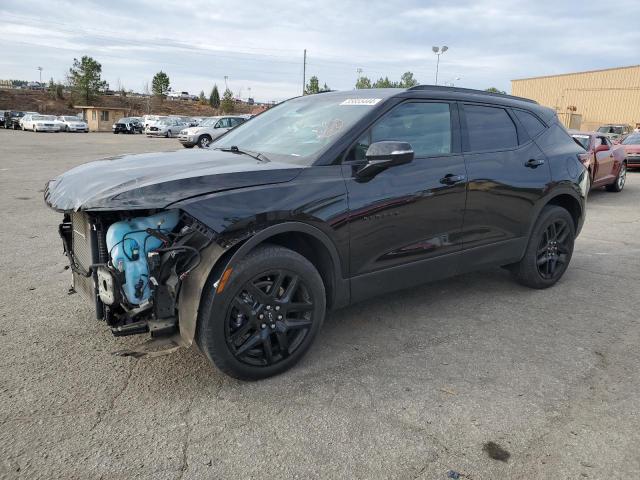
[
  {"x": 169, "y": 133},
  {"x": 266, "y": 317},
  {"x": 618, "y": 184},
  {"x": 549, "y": 250}
]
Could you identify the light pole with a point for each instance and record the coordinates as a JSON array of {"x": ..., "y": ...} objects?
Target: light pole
[
  {"x": 438, "y": 51},
  {"x": 450, "y": 83}
]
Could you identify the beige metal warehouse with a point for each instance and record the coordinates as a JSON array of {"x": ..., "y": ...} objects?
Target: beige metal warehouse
[{"x": 586, "y": 100}]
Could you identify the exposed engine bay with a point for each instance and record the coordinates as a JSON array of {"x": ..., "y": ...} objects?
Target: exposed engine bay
[{"x": 132, "y": 265}]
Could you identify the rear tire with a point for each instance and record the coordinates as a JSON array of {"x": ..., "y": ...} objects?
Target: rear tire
[
  {"x": 264, "y": 321},
  {"x": 620, "y": 180},
  {"x": 549, "y": 249}
]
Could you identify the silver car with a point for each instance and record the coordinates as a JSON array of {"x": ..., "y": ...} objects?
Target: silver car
[
  {"x": 208, "y": 130},
  {"x": 167, "y": 127},
  {"x": 73, "y": 124}
]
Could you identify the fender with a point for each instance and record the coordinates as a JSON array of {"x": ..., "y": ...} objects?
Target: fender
[
  {"x": 213, "y": 261},
  {"x": 563, "y": 189}
]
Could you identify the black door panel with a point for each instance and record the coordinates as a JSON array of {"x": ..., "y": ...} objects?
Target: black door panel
[
  {"x": 405, "y": 213},
  {"x": 504, "y": 185}
]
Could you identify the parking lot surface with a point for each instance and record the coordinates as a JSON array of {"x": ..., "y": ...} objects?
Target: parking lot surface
[{"x": 411, "y": 385}]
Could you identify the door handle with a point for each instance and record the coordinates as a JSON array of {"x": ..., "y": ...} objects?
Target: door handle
[
  {"x": 534, "y": 162},
  {"x": 451, "y": 179}
]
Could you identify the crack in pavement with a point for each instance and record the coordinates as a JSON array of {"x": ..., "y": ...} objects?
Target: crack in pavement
[{"x": 115, "y": 398}]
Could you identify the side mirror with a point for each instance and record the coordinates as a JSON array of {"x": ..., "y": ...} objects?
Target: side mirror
[
  {"x": 602, "y": 148},
  {"x": 382, "y": 155}
]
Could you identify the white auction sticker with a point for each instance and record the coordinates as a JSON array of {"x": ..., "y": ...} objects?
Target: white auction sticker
[{"x": 361, "y": 101}]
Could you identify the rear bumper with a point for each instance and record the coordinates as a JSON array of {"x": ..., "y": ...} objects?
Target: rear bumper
[{"x": 633, "y": 160}]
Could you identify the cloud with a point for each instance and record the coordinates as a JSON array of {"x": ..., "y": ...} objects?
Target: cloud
[{"x": 259, "y": 46}]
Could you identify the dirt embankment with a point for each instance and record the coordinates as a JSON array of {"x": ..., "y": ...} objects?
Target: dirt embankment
[{"x": 37, "y": 101}]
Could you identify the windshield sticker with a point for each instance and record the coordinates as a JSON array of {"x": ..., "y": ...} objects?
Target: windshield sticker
[{"x": 361, "y": 101}]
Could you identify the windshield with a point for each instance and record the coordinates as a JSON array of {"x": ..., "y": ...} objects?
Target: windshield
[
  {"x": 632, "y": 140},
  {"x": 298, "y": 130},
  {"x": 71, "y": 119},
  {"x": 43, "y": 117},
  {"x": 583, "y": 140},
  {"x": 208, "y": 122},
  {"x": 610, "y": 129}
]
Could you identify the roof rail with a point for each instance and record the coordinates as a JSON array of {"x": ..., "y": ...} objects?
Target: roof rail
[{"x": 470, "y": 90}]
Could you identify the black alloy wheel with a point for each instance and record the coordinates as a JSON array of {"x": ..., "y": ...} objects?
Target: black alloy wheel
[
  {"x": 269, "y": 318},
  {"x": 553, "y": 250},
  {"x": 263, "y": 315},
  {"x": 549, "y": 249}
]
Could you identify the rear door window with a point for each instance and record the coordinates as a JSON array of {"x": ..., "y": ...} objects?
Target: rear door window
[{"x": 489, "y": 128}]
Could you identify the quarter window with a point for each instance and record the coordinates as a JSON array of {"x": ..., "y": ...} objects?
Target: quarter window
[
  {"x": 489, "y": 128},
  {"x": 425, "y": 126},
  {"x": 531, "y": 124}
]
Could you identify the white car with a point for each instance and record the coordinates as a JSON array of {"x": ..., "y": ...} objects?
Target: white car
[
  {"x": 40, "y": 123},
  {"x": 168, "y": 127},
  {"x": 208, "y": 130},
  {"x": 148, "y": 120},
  {"x": 73, "y": 124}
]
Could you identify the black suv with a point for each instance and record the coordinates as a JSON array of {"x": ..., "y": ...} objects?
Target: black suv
[
  {"x": 12, "y": 119},
  {"x": 127, "y": 125},
  {"x": 321, "y": 201}
]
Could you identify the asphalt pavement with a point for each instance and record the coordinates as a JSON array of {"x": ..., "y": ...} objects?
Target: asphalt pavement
[{"x": 423, "y": 384}]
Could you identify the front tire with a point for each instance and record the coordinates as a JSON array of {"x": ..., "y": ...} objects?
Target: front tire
[
  {"x": 204, "y": 141},
  {"x": 265, "y": 318},
  {"x": 620, "y": 180},
  {"x": 549, "y": 249}
]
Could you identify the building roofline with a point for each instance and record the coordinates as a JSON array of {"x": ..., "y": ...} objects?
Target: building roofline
[{"x": 576, "y": 73}]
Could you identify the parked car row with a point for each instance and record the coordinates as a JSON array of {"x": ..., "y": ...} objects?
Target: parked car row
[{"x": 37, "y": 122}]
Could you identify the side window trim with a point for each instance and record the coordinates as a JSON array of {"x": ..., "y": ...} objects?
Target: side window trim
[
  {"x": 465, "y": 130},
  {"x": 456, "y": 147}
]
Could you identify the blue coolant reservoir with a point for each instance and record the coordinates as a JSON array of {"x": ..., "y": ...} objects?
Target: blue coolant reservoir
[{"x": 128, "y": 244}]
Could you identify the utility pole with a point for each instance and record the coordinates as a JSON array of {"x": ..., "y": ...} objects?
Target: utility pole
[
  {"x": 304, "y": 70},
  {"x": 225, "y": 82}
]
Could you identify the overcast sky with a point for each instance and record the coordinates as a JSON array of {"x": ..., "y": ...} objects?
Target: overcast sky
[{"x": 259, "y": 45}]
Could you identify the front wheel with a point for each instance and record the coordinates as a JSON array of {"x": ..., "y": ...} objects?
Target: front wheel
[
  {"x": 169, "y": 133},
  {"x": 264, "y": 317},
  {"x": 549, "y": 249},
  {"x": 618, "y": 184},
  {"x": 204, "y": 141}
]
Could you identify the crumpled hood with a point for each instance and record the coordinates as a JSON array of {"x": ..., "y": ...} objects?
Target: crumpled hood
[{"x": 156, "y": 180}]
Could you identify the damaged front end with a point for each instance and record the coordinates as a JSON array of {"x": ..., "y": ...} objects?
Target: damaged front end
[{"x": 132, "y": 266}]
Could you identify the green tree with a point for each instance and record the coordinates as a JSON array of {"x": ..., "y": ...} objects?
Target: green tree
[
  {"x": 363, "y": 82},
  {"x": 84, "y": 79},
  {"x": 202, "y": 98},
  {"x": 407, "y": 80},
  {"x": 384, "y": 83},
  {"x": 314, "y": 86},
  {"x": 214, "y": 98},
  {"x": 160, "y": 84},
  {"x": 227, "y": 102},
  {"x": 495, "y": 90}
]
